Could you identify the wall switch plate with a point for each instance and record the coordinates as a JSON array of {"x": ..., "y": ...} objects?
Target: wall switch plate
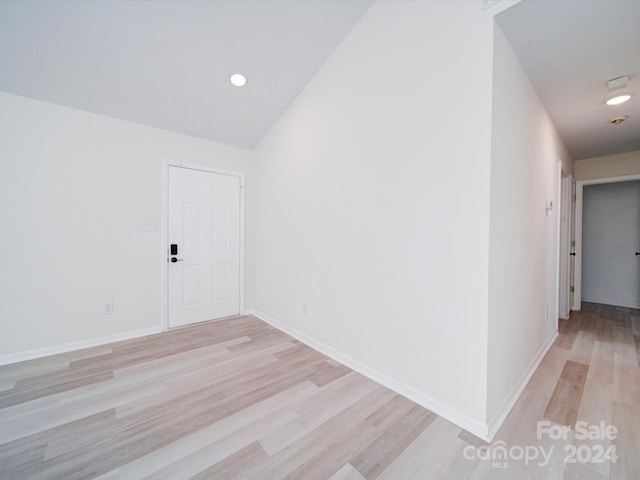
[
  {"x": 107, "y": 308},
  {"x": 150, "y": 227}
]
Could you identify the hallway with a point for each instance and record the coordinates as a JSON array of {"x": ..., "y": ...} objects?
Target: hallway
[{"x": 590, "y": 375}]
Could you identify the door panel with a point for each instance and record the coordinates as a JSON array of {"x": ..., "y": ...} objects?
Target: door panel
[{"x": 203, "y": 280}]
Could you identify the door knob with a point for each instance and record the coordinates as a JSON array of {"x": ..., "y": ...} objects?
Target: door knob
[
  {"x": 637, "y": 253},
  {"x": 174, "y": 259},
  {"x": 573, "y": 254}
]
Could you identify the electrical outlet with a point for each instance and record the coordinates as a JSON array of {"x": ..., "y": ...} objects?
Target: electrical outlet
[{"x": 107, "y": 308}]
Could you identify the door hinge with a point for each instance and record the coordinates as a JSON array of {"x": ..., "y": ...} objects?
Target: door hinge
[{"x": 571, "y": 289}]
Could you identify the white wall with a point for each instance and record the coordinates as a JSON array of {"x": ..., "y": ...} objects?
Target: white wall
[
  {"x": 373, "y": 204},
  {"x": 389, "y": 224},
  {"x": 75, "y": 190},
  {"x": 526, "y": 150},
  {"x": 610, "y": 238},
  {"x": 608, "y": 166}
]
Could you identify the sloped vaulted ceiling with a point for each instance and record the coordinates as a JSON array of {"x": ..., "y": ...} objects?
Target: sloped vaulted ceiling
[{"x": 167, "y": 63}]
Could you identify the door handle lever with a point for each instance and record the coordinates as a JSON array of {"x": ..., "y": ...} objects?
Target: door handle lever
[
  {"x": 637, "y": 253},
  {"x": 174, "y": 260}
]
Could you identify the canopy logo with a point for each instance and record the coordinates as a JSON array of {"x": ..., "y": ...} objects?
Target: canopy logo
[{"x": 500, "y": 453}]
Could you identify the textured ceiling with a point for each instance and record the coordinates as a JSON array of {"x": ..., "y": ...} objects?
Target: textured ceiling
[
  {"x": 167, "y": 63},
  {"x": 570, "y": 49}
]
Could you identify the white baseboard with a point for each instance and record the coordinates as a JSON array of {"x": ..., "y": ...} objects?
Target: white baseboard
[
  {"x": 79, "y": 345},
  {"x": 438, "y": 407},
  {"x": 504, "y": 411},
  {"x": 614, "y": 303}
]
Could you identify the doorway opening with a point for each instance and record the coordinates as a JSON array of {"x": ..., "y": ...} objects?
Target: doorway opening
[{"x": 621, "y": 250}]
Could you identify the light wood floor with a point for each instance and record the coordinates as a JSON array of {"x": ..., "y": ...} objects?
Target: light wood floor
[{"x": 239, "y": 399}]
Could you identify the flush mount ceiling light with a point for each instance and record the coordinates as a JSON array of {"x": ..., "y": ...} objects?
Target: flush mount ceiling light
[
  {"x": 618, "y": 100},
  {"x": 238, "y": 80}
]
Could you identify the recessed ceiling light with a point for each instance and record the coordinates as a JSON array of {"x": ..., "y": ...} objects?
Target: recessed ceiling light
[
  {"x": 618, "y": 100},
  {"x": 238, "y": 80}
]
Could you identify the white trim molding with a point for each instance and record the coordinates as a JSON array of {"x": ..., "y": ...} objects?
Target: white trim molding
[
  {"x": 613, "y": 301},
  {"x": 577, "y": 280},
  {"x": 79, "y": 345},
  {"x": 438, "y": 407}
]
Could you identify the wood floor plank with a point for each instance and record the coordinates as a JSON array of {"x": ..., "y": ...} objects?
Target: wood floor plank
[
  {"x": 472, "y": 439},
  {"x": 328, "y": 374},
  {"x": 351, "y": 436},
  {"x": 577, "y": 471},
  {"x": 547, "y": 375},
  {"x": 30, "y": 389},
  {"x": 389, "y": 415},
  {"x": 14, "y": 458},
  {"x": 635, "y": 324},
  {"x": 436, "y": 453},
  {"x": 273, "y": 406},
  {"x": 69, "y": 406},
  {"x": 597, "y": 400},
  {"x": 627, "y": 419},
  {"x": 626, "y": 381},
  {"x": 565, "y": 401},
  {"x": 55, "y": 362},
  {"x": 385, "y": 449},
  {"x": 582, "y": 347},
  {"x": 347, "y": 472},
  {"x": 62, "y": 435},
  {"x": 310, "y": 447},
  {"x": 236, "y": 464},
  {"x": 566, "y": 335},
  {"x": 327, "y": 403},
  {"x": 210, "y": 453},
  {"x": 328, "y": 460}
]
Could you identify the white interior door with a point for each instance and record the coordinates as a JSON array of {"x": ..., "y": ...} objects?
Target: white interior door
[{"x": 203, "y": 232}]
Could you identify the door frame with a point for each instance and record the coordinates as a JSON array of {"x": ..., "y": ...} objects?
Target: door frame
[
  {"x": 165, "y": 230},
  {"x": 564, "y": 233},
  {"x": 580, "y": 184}
]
